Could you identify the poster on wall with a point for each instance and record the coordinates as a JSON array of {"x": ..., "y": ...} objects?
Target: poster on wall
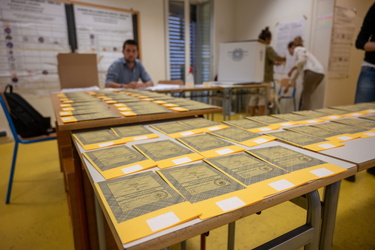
[
  {"x": 33, "y": 33},
  {"x": 343, "y": 32},
  {"x": 102, "y": 31},
  {"x": 286, "y": 32}
]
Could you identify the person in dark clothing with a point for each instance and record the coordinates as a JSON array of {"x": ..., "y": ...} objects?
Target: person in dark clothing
[
  {"x": 366, "y": 80},
  {"x": 366, "y": 41}
]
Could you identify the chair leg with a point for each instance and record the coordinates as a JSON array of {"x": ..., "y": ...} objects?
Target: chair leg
[{"x": 12, "y": 169}]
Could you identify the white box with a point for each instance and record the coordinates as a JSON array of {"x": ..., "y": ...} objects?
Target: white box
[{"x": 241, "y": 62}]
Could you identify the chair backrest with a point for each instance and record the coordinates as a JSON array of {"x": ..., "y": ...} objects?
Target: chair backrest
[
  {"x": 174, "y": 82},
  {"x": 5, "y": 107}
]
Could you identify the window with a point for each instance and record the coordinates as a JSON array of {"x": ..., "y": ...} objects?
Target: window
[{"x": 200, "y": 40}]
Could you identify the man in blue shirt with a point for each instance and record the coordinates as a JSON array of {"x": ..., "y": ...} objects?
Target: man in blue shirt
[{"x": 125, "y": 71}]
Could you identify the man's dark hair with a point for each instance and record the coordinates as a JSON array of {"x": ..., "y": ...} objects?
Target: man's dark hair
[
  {"x": 130, "y": 42},
  {"x": 290, "y": 44}
]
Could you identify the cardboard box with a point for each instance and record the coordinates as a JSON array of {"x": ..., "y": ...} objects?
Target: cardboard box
[
  {"x": 242, "y": 62},
  {"x": 77, "y": 70}
]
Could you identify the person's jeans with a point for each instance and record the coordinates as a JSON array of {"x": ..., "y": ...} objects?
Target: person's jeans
[{"x": 366, "y": 85}]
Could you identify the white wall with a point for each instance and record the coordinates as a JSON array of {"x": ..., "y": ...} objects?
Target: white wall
[{"x": 223, "y": 24}]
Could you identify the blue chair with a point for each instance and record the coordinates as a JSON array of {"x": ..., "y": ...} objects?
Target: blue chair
[{"x": 18, "y": 139}]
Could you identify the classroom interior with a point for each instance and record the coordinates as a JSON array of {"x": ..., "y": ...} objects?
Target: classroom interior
[{"x": 38, "y": 216}]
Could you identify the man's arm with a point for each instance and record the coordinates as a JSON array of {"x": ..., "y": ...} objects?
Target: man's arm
[
  {"x": 131, "y": 85},
  {"x": 145, "y": 77}
]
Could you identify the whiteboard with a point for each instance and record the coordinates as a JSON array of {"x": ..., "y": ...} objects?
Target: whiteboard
[{"x": 102, "y": 31}]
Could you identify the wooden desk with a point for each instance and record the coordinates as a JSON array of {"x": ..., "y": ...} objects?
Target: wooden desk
[
  {"x": 79, "y": 193},
  {"x": 192, "y": 228},
  {"x": 227, "y": 90}
]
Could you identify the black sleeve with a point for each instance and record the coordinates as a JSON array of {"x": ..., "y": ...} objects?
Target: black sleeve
[{"x": 367, "y": 30}]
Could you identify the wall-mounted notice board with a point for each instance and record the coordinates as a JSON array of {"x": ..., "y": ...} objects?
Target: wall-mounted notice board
[{"x": 34, "y": 32}]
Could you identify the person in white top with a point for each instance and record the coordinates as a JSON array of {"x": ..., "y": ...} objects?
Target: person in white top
[{"x": 310, "y": 66}]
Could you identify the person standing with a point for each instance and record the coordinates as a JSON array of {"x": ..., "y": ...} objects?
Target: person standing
[
  {"x": 366, "y": 41},
  {"x": 312, "y": 69},
  {"x": 257, "y": 97},
  {"x": 126, "y": 71},
  {"x": 366, "y": 81}
]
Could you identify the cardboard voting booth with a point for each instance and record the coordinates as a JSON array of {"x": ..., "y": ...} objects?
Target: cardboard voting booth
[
  {"x": 241, "y": 62},
  {"x": 77, "y": 70}
]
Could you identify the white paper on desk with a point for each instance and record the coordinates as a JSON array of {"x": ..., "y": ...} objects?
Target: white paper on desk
[
  {"x": 161, "y": 86},
  {"x": 80, "y": 89}
]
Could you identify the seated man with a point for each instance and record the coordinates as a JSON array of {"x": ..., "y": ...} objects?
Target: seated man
[{"x": 125, "y": 71}]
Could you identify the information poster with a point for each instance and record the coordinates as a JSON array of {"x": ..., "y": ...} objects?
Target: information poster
[
  {"x": 102, "y": 31},
  {"x": 341, "y": 42},
  {"x": 286, "y": 32},
  {"x": 33, "y": 33}
]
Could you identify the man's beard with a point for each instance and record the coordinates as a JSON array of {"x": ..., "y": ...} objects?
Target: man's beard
[{"x": 130, "y": 61}]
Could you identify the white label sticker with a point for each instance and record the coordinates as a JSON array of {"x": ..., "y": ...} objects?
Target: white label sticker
[
  {"x": 312, "y": 121},
  {"x": 369, "y": 133},
  {"x": 264, "y": 129},
  {"x": 356, "y": 114},
  {"x": 105, "y": 144},
  {"x": 214, "y": 128},
  {"x": 66, "y": 118},
  {"x": 132, "y": 169},
  {"x": 187, "y": 133},
  {"x": 224, "y": 151},
  {"x": 286, "y": 124},
  {"x": 333, "y": 117},
  {"x": 140, "y": 138},
  {"x": 281, "y": 185},
  {"x": 326, "y": 145},
  {"x": 230, "y": 203},
  {"x": 182, "y": 160},
  {"x": 345, "y": 138},
  {"x": 162, "y": 221},
  {"x": 260, "y": 140},
  {"x": 322, "y": 172},
  {"x": 64, "y": 113}
]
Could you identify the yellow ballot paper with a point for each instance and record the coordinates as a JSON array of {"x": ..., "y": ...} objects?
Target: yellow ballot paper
[
  {"x": 306, "y": 141},
  {"x": 203, "y": 125},
  {"x": 250, "y": 125},
  {"x": 246, "y": 168},
  {"x": 210, "y": 146},
  {"x": 95, "y": 139},
  {"x": 343, "y": 128},
  {"x": 118, "y": 161},
  {"x": 176, "y": 129},
  {"x": 167, "y": 153},
  {"x": 270, "y": 120},
  {"x": 210, "y": 191},
  {"x": 323, "y": 133},
  {"x": 143, "y": 204},
  {"x": 294, "y": 179},
  {"x": 134, "y": 133},
  {"x": 362, "y": 123},
  {"x": 285, "y": 158},
  {"x": 243, "y": 137}
]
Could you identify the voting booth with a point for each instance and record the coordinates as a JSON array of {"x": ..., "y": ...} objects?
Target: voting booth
[{"x": 241, "y": 62}]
